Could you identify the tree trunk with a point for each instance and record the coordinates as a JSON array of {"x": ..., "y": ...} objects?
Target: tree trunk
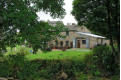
[
  {"x": 109, "y": 25},
  {"x": 117, "y": 21}
]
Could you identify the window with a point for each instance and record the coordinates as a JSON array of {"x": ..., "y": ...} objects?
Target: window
[
  {"x": 56, "y": 43},
  {"x": 83, "y": 41},
  {"x": 67, "y": 43},
  {"x": 67, "y": 33},
  {"x": 61, "y": 43}
]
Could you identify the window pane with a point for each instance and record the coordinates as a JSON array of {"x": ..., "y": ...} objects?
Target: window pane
[
  {"x": 67, "y": 33},
  {"x": 83, "y": 41},
  {"x": 56, "y": 42},
  {"x": 61, "y": 43},
  {"x": 67, "y": 43}
]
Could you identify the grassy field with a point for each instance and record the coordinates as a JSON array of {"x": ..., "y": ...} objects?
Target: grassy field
[
  {"x": 69, "y": 54},
  {"x": 76, "y": 54}
]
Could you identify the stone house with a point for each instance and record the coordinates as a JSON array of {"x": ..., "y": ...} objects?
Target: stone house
[{"x": 77, "y": 37}]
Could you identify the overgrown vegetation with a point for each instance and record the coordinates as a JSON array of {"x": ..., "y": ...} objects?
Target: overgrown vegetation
[
  {"x": 19, "y": 22},
  {"x": 19, "y": 67},
  {"x": 101, "y": 17},
  {"x": 71, "y": 65},
  {"x": 106, "y": 60}
]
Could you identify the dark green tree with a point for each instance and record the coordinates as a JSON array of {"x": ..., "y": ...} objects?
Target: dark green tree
[
  {"x": 42, "y": 33},
  {"x": 101, "y": 17},
  {"x": 18, "y": 17}
]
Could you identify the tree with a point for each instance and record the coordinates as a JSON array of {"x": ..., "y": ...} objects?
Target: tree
[
  {"x": 20, "y": 15},
  {"x": 100, "y": 16},
  {"x": 42, "y": 33}
]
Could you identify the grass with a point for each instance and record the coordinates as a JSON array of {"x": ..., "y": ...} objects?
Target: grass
[
  {"x": 60, "y": 55},
  {"x": 69, "y": 54}
]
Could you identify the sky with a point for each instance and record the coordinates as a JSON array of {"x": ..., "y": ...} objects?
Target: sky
[{"x": 68, "y": 17}]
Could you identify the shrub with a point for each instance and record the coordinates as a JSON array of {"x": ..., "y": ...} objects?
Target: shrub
[
  {"x": 18, "y": 49},
  {"x": 10, "y": 65},
  {"x": 1, "y": 54},
  {"x": 18, "y": 67},
  {"x": 49, "y": 49},
  {"x": 29, "y": 71},
  {"x": 105, "y": 58},
  {"x": 23, "y": 51},
  {"x": 4, "y": 68}
]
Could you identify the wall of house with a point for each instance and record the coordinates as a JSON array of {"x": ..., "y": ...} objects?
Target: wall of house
[
  {"x": 97, "y": 41},
  {"x": 93, "y": 42},
  {"x": 74, "y": 36},
  {"x": 83, "y": 29},
  {"x": 82, "y": 44}
]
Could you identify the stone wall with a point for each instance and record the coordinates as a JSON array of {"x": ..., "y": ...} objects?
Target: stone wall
[{"x": 73, "y": 35}]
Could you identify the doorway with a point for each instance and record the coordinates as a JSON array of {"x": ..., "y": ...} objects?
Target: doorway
[
  {"x": 78, "y": 43},
  {"x": 71, "y": 44}
]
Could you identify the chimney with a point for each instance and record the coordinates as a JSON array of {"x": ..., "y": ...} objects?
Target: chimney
[{"x": 73, "y": 23}]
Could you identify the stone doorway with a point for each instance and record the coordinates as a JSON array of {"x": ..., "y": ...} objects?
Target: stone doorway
[
  {"x": 71, "y": 44},
  {"x": 78, "y": 44}
]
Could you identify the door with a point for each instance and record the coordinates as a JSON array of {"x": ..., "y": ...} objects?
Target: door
[
  {"x": 74, "y": 43},
  {"x": 71, "y": 44},
  {"x": 78, "y": 43},
  {"x": 87, "y": 42}
]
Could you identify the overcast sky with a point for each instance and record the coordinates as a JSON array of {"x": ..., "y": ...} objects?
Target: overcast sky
[{"x": 68, "y": 17}]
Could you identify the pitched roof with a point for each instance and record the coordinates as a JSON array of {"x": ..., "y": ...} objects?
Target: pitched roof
[
  {"x": 72, "y": 27},
  {"x": 90, "y": 35}
]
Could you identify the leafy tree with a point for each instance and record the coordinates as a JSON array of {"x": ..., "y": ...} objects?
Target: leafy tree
[
  {"x": 42, "y": 33},
  {"x": 100, "y": 16},
  {"x": 20, "y": 16}
]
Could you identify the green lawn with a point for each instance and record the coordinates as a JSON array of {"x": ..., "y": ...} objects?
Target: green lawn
[
  {"x": 69, "y": 54},
  {"x": 76, "y": 54}
]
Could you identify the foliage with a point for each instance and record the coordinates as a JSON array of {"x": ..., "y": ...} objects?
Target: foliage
[
  {"x": 16, "y": 66},
  {"x": 115, "y": 77},
  {"x": 18, "y": 50},
  {"x": 93, "y": 14},
  {"x": 18, "y": 18},
  {"x": 105, "y": 59},
  {"x": 100, "y": 16},
  {"x": 39, "y": 36},
  {"x": 19, "y": 67}
]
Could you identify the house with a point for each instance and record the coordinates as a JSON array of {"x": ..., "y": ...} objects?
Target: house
[{"x": 77, "y": 37}]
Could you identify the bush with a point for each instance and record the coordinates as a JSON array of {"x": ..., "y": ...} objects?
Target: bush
[
  {"x": 105, "y": 59},
  {"x": 10, "y": 65},
  {"x": 18, "y": 49},
  {"x": 23, "y": 50},
  {"x": 4, "y": 68},
  {"x": 18, "y": 67},
  {"x": 29, "y": 71},
  {"x": 49, "y": 49}
]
